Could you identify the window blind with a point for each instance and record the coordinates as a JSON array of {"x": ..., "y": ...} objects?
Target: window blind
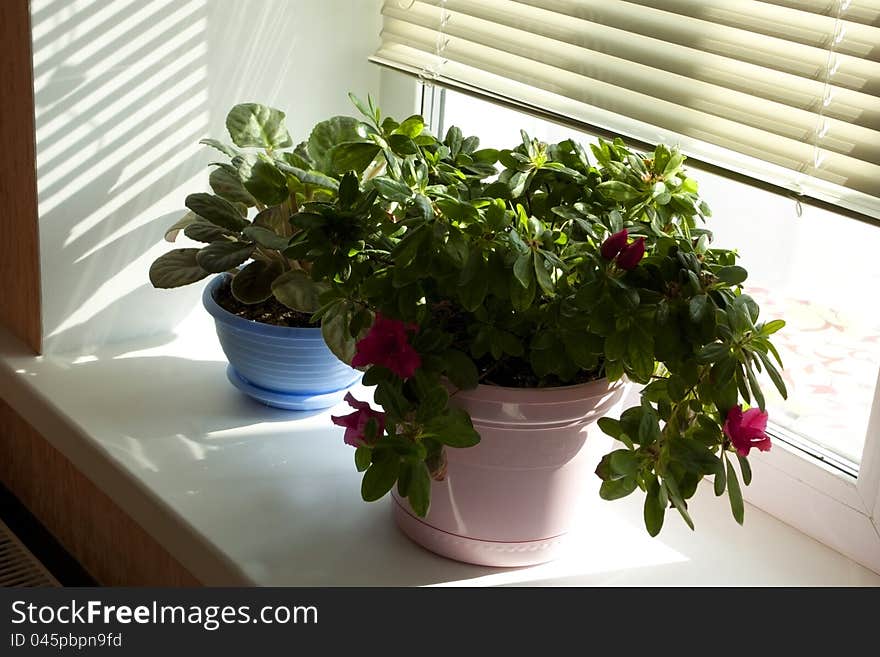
[{"x": 787, "y": 92}]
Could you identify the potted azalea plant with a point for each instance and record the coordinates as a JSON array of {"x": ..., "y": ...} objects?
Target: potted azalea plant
[
  {"x": 499, "y": 300},
  {"x": 261, "y": 299}
]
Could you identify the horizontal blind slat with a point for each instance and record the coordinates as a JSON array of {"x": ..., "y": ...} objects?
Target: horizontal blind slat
[
  {"x": 785, "y": 23},
  {"x": 746, "y": 84},
  {"x": 770, "y": 117},
  {"x": 803, "y": 93},
  {"x": 770, "y": 52},
  {"x": 859, "y": 11},
  {"x": 784, "y": 152}
]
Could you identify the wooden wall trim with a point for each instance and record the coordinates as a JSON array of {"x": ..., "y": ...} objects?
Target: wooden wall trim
[
  {"x": 113, "y": 548},
  {"x": 19, "y": 248}
]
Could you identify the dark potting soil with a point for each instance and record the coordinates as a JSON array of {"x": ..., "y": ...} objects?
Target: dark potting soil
[
  {"x": 270, "y": 311},
  {"x": 517, "y": 373}
]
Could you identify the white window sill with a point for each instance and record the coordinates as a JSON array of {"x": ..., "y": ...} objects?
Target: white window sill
[{"x": 240, "y": 493}]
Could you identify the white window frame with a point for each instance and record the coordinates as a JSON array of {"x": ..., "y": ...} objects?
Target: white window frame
[{"x": 802, "y": 487}]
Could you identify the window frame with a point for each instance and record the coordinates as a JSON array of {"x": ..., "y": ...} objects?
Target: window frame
[{"x": 820, "y": 496}]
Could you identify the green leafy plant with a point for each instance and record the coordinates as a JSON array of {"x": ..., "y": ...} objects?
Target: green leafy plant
[
  {"x": 260, "y": 184},
  {"x": 443, "y": 265}
]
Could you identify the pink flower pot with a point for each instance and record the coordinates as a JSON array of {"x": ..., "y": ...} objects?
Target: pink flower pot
[{"x": 511, "y": 499}]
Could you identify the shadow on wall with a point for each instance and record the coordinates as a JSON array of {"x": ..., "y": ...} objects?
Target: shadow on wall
[
  {"x": 124, "y": 90},
  {"x": 121, "y": 99}
]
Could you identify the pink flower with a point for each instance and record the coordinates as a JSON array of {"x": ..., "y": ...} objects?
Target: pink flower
[
  {"x": 631, "y": 255},
  {"x": 387, "y": 344},
  {"x": 612, "y": 246},
  {"x": 356, "y": 423},
  {"x": 747, "y": 430},
  {"x": 628, "y": 255}
]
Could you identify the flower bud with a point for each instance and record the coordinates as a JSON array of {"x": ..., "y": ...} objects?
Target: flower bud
[
  {"x": 631, "y": 255},
  {"x": 612, "y": 246}
]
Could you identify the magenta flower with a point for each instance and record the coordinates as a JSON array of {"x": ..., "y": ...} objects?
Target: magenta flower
[
  {"x": 387, "y": 344},
  {"x": 747, "y": 429},
  {"x": 356, "y": 423},
  {"x": 631, "y": 255},
  {"x": 628, "y": 256},
  {"x": 612, "y": 246}
]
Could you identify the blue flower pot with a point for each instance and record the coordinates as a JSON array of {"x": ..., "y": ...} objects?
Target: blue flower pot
[{"x": 284, "y": 367}]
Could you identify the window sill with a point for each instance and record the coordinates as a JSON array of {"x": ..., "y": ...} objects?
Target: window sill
[{"x": 240, "y": 493}]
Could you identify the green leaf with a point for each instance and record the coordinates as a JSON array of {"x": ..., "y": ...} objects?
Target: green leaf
[
  {"x": 254, "y": 125},
  {"x": 745, "y": 468},
  {"x": 720, "y": 482},
  {"x": 348, "y": 189},
  {"x": 362, "y": 108},
  {"x": 411, "y": 127},
  {"x": 624, "y": 462},
  {"x": 610, "y": 426},
  {"x": 619, "y": 191},
  {"x": 407, "y": 248},
  {"x": 228, "y": 185},
  {"x": 391, "y": 189},
  {"x": 330, "y": 133},
  {"x": 734, "y": 493},
  {"x": 253, "y": 284},
  {"x": 772, "y": 372},
  {"x": 649, "y": 427},
  {"x": 695, "y": 456},
  {"x": 420, "y": 489},
  {"x": 404, "y": 477},
  {"x": 276, "y": 219},
  {"x": 186, "y": 220},
  {"x": 522, "y": 269},
  {"x": 614, "y": 489},
  {"x": 753, "y": 385},
  {"x": 202, "y": 231},
  {"x": 432, "y": 395},
  {"x": 698, "y": 307},
  {"x": 677, "y": 501},
  {"x": 267, "y": 183},
  {"x": 222, "y": 256},
  {"x": 314, "y": 178},
  {"x": 542, "y": 275},
  {"x": 218, "y": 211},
  {"x": 381, "y": 476},
  {"x": 772, "y": 326},
  {"x": 363, "y": 456},
  {"x": 713, "y": 352},
  {"x": 724, "y": 396},
  {"x": 176, "y": 268},
  {"x": 654, "y": 510},
  {"x": 227, "y": 150},
  {"x": 296, "y": 290},
  {"x": 675, "y": 161},
  {"x": 453, "y": 140},
  {"x": 334, "y": 328},
  {"x": 657, "y": 390},
  {"x": 265, "y": 237},
  {"x": 403, "y": 145},
  {"x": 389, "y": 395},
  {"x": 732, "y": 275},
  {"x": 521, "y": 298},
  {"x": 460, "y": 369},
  {"x": 454, "y": 428},
  {"x": 457, "y": 247},
  {"x": 352, "y": 156}
]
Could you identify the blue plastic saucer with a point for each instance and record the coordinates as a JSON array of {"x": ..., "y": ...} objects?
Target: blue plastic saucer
[{"x": 286, "y": 401}]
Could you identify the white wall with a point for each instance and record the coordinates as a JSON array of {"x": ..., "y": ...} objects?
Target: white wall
[{"x": 124, "y": 90}]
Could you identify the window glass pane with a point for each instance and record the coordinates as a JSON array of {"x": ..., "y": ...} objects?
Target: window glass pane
[{"x": 818, "y": 271}]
